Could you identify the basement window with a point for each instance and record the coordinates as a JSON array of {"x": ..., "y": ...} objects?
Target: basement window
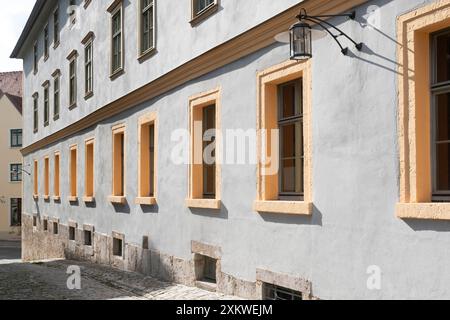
[
  {"x": 87, "y": 238},
  {"x": 72, "y": 233},
  {"x": 117, "y": 247},
  {"x": 273, "y": 292},
  {"x": 206, "y": 269},
  {"x": 55, "y": 228}
]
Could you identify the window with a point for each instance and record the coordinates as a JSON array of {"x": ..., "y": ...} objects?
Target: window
[
  {"x": 118, "y": 174},
  {"x": 118, "y": 245},
  {"x": 56, "y": 27},
  {"x": 273, "y": 292},
  {"x": 72, "y": 233},
  {"x": 15, "y": 172},
  {"x": 116, "y": 39},
  {"x": 46, "y": 178},
  {"x": 284, "y": 165},
  {"x": 55, "y": 227},
  {"x": 72, "y": 79},
  {"x": 202, "y": 9},
  {"x": 290, "y": 124},
  {"x": 45, "y": 224},
  {"x": 147, "y": 160},
  {"x": 88, "y": 69},
  {"x": 16, "y": 212},
  {"x": 46, "y": 103},
  {"x": 56, "y": 94},
  {"x": 205, "y": 268},
  {"x": 87, "y": 238},
  {"x": 147, "y": 26},
  {"x": 204, "y": 172},
  {"x": 72, "y": 13},
  {"x": 73, "y": 174},
  {"x": 56, "y": 192},
  {"x": 209, "y": 167},
  {"x": 16, "y": 138},
  {"x": 423, "y": 35},
  {"x": 34, "y": 221},
  {"x": 89, "y": 170},
  {"x": 35, "y": 58},
  {"x": 46, "y": 42},
  {"x": 35, "y": 180},
  {"x": 440, "y": 92},
  {"x": 35, "y": 112}
]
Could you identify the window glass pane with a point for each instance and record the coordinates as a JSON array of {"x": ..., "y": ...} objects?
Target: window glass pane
[
  {"x": 209, "y": 168},
  {"x": 292, "y": 176},
  {"x": 443, "y": 58},
  {"x": 292, "y": 140},
  {"x": 443, "y": 166},
  {"x": 443, "y": 117}
]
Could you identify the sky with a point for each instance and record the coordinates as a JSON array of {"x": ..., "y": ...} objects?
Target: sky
[{"x": 13, "y": 16}]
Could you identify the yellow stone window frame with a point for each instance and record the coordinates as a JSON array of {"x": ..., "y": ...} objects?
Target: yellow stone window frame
[
  {"x": 116, "y": 197},
  {"x": 196, "y": 105},
  {"x": 267, "y": 105},
  {"x": 73, "y": 176},
  {"x": 414, "y": 111},
  {"x": 46, "y": 178},
  {"x": 144, "y": 124},
  {"x": 89, "y": 174}
]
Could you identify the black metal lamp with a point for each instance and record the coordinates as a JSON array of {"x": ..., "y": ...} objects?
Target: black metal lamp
[{"x": 301, "y": 38}]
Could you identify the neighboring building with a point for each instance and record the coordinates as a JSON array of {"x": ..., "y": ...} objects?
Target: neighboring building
[
  {"x": 360, "y": 206},
  {"x": 11, "y": 158}
]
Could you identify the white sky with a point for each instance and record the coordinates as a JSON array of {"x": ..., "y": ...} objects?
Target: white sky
[{"x": 13, "y": 16}]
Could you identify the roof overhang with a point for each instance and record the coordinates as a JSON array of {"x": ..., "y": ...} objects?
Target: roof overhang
[{"x": 37, "y": 9}]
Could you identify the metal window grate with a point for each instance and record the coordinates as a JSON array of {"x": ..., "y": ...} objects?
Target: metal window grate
[{"x": 273, "y": 292}]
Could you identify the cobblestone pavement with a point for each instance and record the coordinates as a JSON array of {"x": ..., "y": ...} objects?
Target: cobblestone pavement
[{"x": 47, "y": 280}]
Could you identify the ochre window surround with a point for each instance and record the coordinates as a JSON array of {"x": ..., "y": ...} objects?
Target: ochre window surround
[
  {"x": 414, "y": 111},
  {"x": 46, "y": 178},
  {"x": 267, "y": 106},
  {"x": 197, "y": 104},
  {"x": 89, "y": 192},
  {"x": 56, "y": 177},
  {"x": 147, "y": 166},
  {"x": 35, "y": 179},
  {"x": 73, "y": 163},
  {"x": 118, "y": 164}
]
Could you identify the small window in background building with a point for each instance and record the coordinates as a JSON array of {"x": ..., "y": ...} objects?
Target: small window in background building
[
  {"x": 16, "y": 172},
  {"x": 16, "y": 138},
  {"x": 46, "y": 104},
  {"x": 55, "y": 228},
  {"x": 117, "y": 40},
  {"x": 46, "y": 42},
  {"x": 45, "y": 225},
  {"x": 16, "y": 212}
]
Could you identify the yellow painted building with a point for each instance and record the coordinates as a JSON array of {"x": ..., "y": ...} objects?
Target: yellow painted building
[{"x": 11, "y": 173}]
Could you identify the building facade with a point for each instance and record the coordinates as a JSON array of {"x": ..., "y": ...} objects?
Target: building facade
[
  {"x": 340, "y": 189},
  {"x": 11, "y": 159}
]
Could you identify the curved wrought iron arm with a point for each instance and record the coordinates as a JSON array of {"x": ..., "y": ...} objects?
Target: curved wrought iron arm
[
  {"x": 320, "y": 22},
  {"x": 343, "y": 50}
]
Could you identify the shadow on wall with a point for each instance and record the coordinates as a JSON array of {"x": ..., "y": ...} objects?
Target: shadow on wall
[
  {"x": 428, "y": 225},
  {"x": 314, "y": 220},
  {"x": 222, "y": 213}
]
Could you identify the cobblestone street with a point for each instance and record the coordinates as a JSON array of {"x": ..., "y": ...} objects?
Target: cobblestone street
[{"x": 48, "y": 281}]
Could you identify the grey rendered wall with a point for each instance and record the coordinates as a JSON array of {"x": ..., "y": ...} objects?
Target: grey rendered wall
[
  {"x": 355, "y": 179},
  {"x": 177, "y": 43}
]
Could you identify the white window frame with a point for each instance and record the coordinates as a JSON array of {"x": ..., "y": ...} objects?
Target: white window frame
[{"x": 113, "y": 12}]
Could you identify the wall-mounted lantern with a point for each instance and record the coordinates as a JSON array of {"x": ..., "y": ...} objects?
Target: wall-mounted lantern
[{"x": 300, "y": 34}]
